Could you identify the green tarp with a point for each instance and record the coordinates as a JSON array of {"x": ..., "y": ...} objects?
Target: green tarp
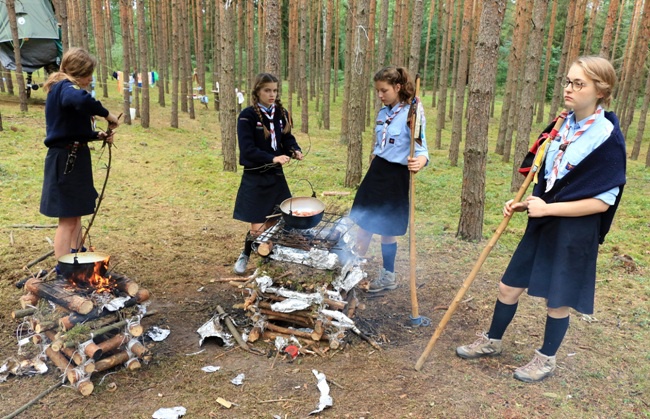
[{"x": 38, "y": 33}]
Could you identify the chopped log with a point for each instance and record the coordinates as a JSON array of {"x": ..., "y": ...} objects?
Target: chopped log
[
  {"x": 300, "y": 313},
  {"x": 121, "y": 357},
  {"x": 285, "y": 330},
  {"x": 41, "y": 327},
  {"x": 54, "y": 291},
  {"x": 112, "y": 343},
  {"x": 68, "y": 322},
  {"x": 288, "y": 317},
  {"x": 139, "y": 350},
  {"x": 125, "y": 284},
  {"x": 28, "y": 300},
  {"x": 68, "y": 352},
  {"x": 317, "y": 334},
  {"x": 19, "y": 314},
  {"x": 250, "y": 300},
  {"x": 265, "y": 248},
  {"x": 254, "y": 334}
]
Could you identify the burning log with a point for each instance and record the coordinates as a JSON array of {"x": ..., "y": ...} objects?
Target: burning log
[
  {"x": 125, "y": 284},
  {"x": 28, "y": 300},
  {"x": 59, "y": 296},
  {"x": 62, "y": 363}
]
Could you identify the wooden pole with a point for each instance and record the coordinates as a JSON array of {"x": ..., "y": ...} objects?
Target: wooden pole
[
  {"x": 415, "y": 313},
  {"x": 495, "y": 237}
]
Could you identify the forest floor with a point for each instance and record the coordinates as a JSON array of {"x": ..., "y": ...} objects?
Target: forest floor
[{"x": 167, "y": 223}]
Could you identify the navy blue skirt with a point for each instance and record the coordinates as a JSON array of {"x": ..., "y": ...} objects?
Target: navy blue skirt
[
  {"x": 259, "y": 193},
  {"x": 72, "y": 194},
  {"x": 556, "y": 260},
  {"x": 381, "y": 205}
]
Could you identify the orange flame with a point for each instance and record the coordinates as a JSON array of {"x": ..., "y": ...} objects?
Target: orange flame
[{"x": 95, "y": 281}]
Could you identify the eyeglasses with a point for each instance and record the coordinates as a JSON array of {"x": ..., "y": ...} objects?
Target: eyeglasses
[{"x": 577, "y": 85}]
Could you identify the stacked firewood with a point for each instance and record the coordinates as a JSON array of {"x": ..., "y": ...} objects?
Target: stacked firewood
[
  {"x": 84, "y": 333},
  {"x": 319, "y": 318}
]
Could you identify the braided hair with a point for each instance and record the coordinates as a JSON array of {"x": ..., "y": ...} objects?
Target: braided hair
[
  {"x": 260, "y": 81},
  {"x": 77, "y": 63},
  {"x": 398, "y": 75}
]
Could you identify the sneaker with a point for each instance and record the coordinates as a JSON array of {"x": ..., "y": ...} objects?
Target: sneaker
[
  {"x": 483, "y": 346},
  {"x": 536, "y": 370},
  {"x": 386, "y": 281},
  {"x": 240, "y": 265}
]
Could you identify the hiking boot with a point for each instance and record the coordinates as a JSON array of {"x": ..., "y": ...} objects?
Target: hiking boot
[
  {"x": 483, "y": 346},
  {"x": 385, "y": 282},
  {"x": 240, "y": 265},
  {"x": 536, "y": 370}
]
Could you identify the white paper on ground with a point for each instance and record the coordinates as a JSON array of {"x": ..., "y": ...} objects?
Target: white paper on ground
[
  {"x": 169, "y": 412},
  {"x": 325, "y": 398}
]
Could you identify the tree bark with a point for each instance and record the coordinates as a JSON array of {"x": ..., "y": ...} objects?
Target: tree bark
[
  {"x": 355, "y": 139},
  {"x": 481, "y": 91},
  {"x": 528, "y": 89},
  {"x": 416, "y": 36},
  {"x": 444, "y": 73},
  {"x": 561, "y": 68},
  {"x": 608, "y": 31},
  {"x": 11, "y": 12},
  {"x": 461, "y": 83},
  {"x": 144, "y": 64},
  {"x": 228, "y": 113},
  {"x": 547, "y": 64},
  {"x": 273, "y": 36},
  {"x": 175, "y": 61},
  {"x": 304, "y": 99},
  {"x": 328, "y": 25}
]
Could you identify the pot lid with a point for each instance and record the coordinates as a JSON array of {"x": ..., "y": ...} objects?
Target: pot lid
[{"x": 83, "y": 257}]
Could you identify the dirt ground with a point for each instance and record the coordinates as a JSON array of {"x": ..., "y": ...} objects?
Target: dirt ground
[
  {"x": 170, "y": 230},
  {"x": 364, "y": 382}
]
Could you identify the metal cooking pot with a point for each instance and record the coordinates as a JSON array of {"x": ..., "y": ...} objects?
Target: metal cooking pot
[
  {"x": 80, "y": 266},
  {"x": 295, "y": 210}
]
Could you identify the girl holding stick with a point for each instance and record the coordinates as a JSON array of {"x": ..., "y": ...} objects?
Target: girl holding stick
[
  {"x": 569, "y": 213},
  {"x": 381, "y": 205}
]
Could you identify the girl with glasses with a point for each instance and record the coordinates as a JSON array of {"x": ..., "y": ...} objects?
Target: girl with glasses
[{"x": 569, "y": 213}]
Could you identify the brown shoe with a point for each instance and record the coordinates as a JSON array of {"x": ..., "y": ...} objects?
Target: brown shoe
[
  {"x": 536, "y": 370},
  {"x": 483, "y": 346}
]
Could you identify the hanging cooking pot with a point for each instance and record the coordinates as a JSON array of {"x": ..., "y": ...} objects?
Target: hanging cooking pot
[
  {"x": 302, "y": 212},
  {"x": 80, "y": 267}
]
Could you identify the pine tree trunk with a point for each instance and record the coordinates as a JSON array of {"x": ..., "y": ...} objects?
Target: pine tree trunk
[
  {"x": 416, "y": 37},
  {"x": 562, "y": 65},
  {"x": 11, "y": 14},
  {"x": 532, "y": 63},
  {"x": 470, "y": 226},
  {"x": 228, "y": 104},
  {"x": 328, "y": 25},
  {"x": 355, "y": 122},
  {"x": 336, "y": 51},
  {"x": 62, "y": 14},
  {"x": 432, "y": 8},
  {"x": 144, "y": 64},
  {"x": 618, "y": 31},
  {"x": 514, "y": 57},
  {"x": 126, "y": 61},
  {"x": 175, "y": 64},
  {"x": 273, "y": 36},
  {"x": 250, "y": 45},
  {"x": 461, "y": 79},
  {"x": 643, "y": 115},
  {"x": 592, "y": 26},
  {"x": 608, "y": 32},
  {"x": 547, "y": 64},
  {"x": 304, "y": 100},
  {"x": 444, "y": 74}
]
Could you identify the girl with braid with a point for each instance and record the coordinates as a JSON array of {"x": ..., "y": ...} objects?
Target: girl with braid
[
  {"x": 265, "y": 145},
  {"x": 381, "y": 205}
]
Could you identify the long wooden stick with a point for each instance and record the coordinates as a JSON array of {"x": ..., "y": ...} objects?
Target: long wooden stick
[
  {"x": 415, "y": 311},
  {"x": 495, "y": 237}
]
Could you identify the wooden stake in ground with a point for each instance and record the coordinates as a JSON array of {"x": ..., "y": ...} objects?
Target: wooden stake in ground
[
  {"x": 416, "y": 320},
  {"x": 495, "y": 237}
]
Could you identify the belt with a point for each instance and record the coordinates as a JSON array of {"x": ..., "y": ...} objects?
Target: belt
[{"x": 70, "y": 146}]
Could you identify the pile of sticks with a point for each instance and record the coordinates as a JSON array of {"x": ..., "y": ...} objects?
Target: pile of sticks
[
  {"x": 79, "y": 333},
  {"x": 322, "y": 325}
]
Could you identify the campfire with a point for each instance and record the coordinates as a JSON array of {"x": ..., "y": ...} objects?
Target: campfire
[
  {"x": 305, "y": 292},
  {"x": 85, "y": 319}
]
